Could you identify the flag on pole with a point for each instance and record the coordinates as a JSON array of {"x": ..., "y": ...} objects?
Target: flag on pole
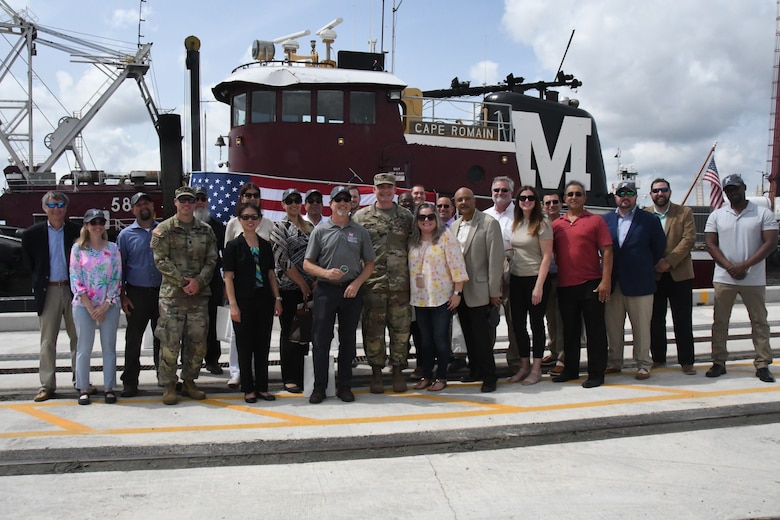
[{"x": 716, "y": 191}]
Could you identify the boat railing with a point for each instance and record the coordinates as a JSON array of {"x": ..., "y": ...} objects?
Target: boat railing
[
  {"x": 457, "y": 118},
  {"x": 288, "y": 63}
]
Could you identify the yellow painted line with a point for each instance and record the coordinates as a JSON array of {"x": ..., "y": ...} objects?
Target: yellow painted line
[
  {"x": 255, "y": 410},
  {"x": 36, "y": 411}
]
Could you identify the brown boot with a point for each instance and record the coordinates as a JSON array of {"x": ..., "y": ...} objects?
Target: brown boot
[
  {"x": 399, "y": 383},
  {"x": 169, "y": 394},
  {"x": 188, "y": 388},
  {"x": 376, "y": 387}
]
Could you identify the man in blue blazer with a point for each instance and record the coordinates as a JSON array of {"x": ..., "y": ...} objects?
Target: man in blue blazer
[{"x": 638, "y": 242}]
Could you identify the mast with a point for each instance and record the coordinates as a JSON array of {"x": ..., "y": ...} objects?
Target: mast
[{"x": 774, "y": 121}]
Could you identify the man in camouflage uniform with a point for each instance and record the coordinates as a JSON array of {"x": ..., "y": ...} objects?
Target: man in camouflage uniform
[
  {"x": 185, "y": 252},
  {"x": 386, "y": 302}
]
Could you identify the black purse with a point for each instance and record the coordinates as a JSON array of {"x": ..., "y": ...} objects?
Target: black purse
[{"x": 300, "y": 329}]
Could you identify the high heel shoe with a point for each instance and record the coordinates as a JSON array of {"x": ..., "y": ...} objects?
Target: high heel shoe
[{"x": 533, "y": 378}]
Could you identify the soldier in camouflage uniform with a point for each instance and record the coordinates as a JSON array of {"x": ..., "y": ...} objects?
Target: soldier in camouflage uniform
[
  {"x": 185, "y": 252},
  {"x": 386, "y": 302}
]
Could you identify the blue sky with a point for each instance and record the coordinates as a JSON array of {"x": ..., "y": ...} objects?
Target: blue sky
[{"x": 663, "y": 79}]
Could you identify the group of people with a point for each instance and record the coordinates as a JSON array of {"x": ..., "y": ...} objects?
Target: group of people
[{"x": 402, "y": 268}]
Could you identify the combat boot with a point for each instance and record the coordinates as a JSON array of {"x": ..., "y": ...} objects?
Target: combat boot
[
  {"x": 169, "y": 394},
  {"x": 188, "y": 388},
  {"x": 399, "y": 383},
  {"x": 376, "y": 386}
]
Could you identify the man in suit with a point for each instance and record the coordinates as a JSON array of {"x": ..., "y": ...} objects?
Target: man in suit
[
  {"x": 673, "y": 278},
  {"x": 483, "y": 249},
  {"x": 46, "y": 251},
  {"x": 638, "y": 243}
]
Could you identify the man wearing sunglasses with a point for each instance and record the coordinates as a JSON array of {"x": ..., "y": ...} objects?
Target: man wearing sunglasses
[
  {"x": 185, "y": 252},
  {"x": 673, "y": 278},
  {"x": 446, "y": 210},
  {"x": 386, "y": 303},
  {"x": 552, "y": 210},
  {"x": 638, "y": 244},
  {"x": 313, "y": 205},
  {"x": 46, "y": 253},
  {"x": 340, "y": 255}
]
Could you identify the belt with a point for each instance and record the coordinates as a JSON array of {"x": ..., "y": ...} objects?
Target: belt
[
  {"x": 59, "y": 284},
  {"x": 154, "y": 288},
  {"x": 337, "y": 284}
]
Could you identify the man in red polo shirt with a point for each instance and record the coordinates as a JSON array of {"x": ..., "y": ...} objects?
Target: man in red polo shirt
[{"x": 583, "y": 252}]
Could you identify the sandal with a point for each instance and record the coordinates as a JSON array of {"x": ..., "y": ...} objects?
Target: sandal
[
  {"x": 439, "y": 384},
  {"x": 520, "y": 375},
  {"x": 532, "y": 378},
  {"x": 422, "y": 384},
  {"x": 84, "y": 398},
  {"x": 110, "y": 397}
]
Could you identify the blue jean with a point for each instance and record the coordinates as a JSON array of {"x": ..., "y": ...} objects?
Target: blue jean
[
  {"x": 85, "y": 330},
  {"x": 434, "y": 348}
]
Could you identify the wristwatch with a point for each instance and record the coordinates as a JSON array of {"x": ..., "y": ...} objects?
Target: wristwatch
[
  {"x": 457, "y": 293},
  {"x": 278, "y": 298}
]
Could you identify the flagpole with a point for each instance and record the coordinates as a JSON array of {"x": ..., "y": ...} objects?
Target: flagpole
[{"x": 698, "y": 175}]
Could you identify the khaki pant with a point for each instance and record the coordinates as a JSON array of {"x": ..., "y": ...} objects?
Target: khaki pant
[
  {"x": 640, "y": 313},
  {"x": 754, "y": 298},
  {"x": 58, "y": 306}
]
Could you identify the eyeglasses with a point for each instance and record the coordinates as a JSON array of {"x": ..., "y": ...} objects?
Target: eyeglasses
[
  {"x": 202, "y": 198},
  {"x": 551, "y": 202},
  {"x": 529, "y": 198},
  {"x": 251, "y": 195},
  {"x": 293, "y": 200},
  {"x": 500, "y": 190},
  {"x": 662, "y": 190},
  {"x": 186, "y": 200},
  {"x": 443, "y": 206},
  {"x": 97, "y": 222},
  {"x": 55, "y": 205},
  {"x": 314, "y": 200},
  {"x": 625, "y": 193},
  {"x": 575, "y": 194},
  {"x": 342, "y": 198},
  {"x": 253, "y": 216},
  {"x": 429, "y": 216}
]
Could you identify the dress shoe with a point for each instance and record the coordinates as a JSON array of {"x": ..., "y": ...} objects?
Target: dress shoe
[
  {"x": 214, "y": 368},
  {"x": 129, "y": 391},
  {"x": 688, "y": 370},
  {"x": 557, "y": 369},
  {"x": 716, "y": 370},
  {"x": 456, "y": 365},
  {"x": 317, "y": 396},
  {"x": 488, "y": 386},
  {"x": 592, "y": 382},
  {"x": 250, "y": 398},
  {"x": 642, "y": 374},
  {"x": 44, "y": 394},
  {"x": 613, "y": 370},
  {"x": 563, "y": 377},
  {"x": 471, "y": 378},
  {"x": 345, "y": 394},
  {"x": 293, "y": 388},
  {"x": 765, "y": 375},
  {"x": 658, "y": 364},
  {"x": 265, "y": 396}
]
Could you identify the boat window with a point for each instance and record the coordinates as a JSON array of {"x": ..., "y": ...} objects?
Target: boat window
[
  {"x": 296, "y": 106},
  {"x": 362, "y": 108},
  {"x": 239, "y": 110},
  {"x": 263, "y": 107},
  {"x": 330, "y": 106}
]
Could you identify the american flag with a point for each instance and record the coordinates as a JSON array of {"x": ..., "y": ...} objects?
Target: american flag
[
  {"x": 223, "y": 189},
  {"x": 716, "y": 192}
]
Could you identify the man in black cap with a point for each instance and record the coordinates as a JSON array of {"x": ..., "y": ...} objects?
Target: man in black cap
[
  {"x": 313, "y": 205},
  {"x": 140, "y": 288},
  {"x": 740, "y": 236},
  {"x": 341, "y": 256},
  {"x": 217, "y": 298}
]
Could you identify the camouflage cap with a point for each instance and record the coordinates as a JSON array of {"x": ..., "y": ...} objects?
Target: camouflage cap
[
  {"x": 384, "y": 178},
  {"x": 184, "y": 190}
]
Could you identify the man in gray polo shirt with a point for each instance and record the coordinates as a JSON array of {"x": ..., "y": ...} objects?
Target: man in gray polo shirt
[{"x": 341, "y": 256}]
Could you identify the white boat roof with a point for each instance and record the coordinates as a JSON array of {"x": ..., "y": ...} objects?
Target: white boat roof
[{"x": 283, "y": 75}]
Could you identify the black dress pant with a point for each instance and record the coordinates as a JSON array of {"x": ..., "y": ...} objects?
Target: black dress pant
[
  {"x": 213, "y": 345},
  {"x": 291, "y": 354},
  {"x": 146, "y": 308},
  {"x": 479, "y": 333},
  {"x": 680, "y": 298},
  {"x": 577, "y": 304},
  {"x": 253, "y": 340}
]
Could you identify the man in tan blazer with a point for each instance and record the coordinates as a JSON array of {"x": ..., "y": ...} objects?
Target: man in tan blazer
[
  {"x": 674, "y": 278},
  {"x": 480, "y": 240}
]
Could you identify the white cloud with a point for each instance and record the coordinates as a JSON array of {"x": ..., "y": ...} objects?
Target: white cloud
[{"x": 484, "y": 73}]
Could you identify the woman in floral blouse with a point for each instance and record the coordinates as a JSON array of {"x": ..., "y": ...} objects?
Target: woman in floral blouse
[
  {"x": 437, "y": 274},
  {"x": 96, "y": 282}
]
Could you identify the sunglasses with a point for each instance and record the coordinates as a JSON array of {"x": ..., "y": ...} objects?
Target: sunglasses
[
  {"x": 551, "y": 202},
  {"x": 97, "y": 222},
  {"x": 186, "y": 200},
  {"x": 202, "y": 198},
  {"x": 293, "y": 200},
  {"x": 342, "y": 198},
  {"x": 661, "y": 190},
  {"x": 575, "y": 194},
  {"x": 443, "y": 206},
  {"x": 55, "y": 205},
  {"x": 253, "y": 216},
  {"x": 625, "y": 193},
  {"x": 500, "y": 190},
  {"x": 314, "y": 200},
  {"x": 251, "y": 195},
  {"x": 429, "y": 216},
  {"x": 529, "y": 198}
]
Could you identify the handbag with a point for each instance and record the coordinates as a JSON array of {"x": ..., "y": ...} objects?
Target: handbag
[{"x": 300, "y": 328}]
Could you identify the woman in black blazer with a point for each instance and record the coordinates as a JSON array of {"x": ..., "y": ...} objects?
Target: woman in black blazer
[{"x": 253, "y": 294}]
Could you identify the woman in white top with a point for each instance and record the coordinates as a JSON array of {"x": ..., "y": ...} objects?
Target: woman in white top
[{"x": 532, "y": 249}]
